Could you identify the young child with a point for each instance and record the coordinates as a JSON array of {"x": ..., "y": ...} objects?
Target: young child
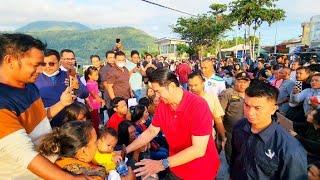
[
  {"x": 95, "y": 102},
  {"x": 104, "y": 155},
  {"x": 120, "y": 107},
  {"x": 76, "y": 111},
  {"x": 75, "y": 144}
]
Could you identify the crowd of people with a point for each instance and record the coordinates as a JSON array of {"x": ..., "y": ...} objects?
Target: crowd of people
[{"x": 128, "y": 117}]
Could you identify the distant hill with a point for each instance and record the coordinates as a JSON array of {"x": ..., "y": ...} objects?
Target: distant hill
[
  {"x": 52, "y": 26},
  {"x": 86, "y": 43}
]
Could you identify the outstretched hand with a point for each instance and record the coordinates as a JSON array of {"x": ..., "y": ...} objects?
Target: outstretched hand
[
  {"x": 67, "y": 97},
  {"x": 148, "y": 168}
]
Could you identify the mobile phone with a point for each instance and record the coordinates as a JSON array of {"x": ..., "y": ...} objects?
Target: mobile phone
[
  {"x": 71, "y": 74},
  {"x": 138, "y": 65},
  {"x": 298, "y": 85},
  {"x": 118, "y": 40}
]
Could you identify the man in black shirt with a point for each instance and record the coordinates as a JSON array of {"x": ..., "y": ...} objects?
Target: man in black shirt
[{"x": 261, "y": 148}]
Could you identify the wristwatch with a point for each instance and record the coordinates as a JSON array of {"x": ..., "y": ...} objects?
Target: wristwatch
[{"x": 165, "y": 163}]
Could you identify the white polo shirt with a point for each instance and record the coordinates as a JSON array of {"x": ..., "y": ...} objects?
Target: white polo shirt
[{"x": 214, "y": 85}]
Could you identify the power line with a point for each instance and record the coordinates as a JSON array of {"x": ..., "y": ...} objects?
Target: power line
[{"x": 167, "y": 7}]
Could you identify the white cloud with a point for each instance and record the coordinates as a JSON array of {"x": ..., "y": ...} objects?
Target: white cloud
[{"x": 150, "y": 18}]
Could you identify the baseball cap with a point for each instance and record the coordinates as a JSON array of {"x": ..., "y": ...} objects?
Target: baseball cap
[{"x": 242, "y": 76}]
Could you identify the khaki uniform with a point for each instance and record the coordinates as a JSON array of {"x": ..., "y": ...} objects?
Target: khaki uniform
[{"x": 232, "y": 103}]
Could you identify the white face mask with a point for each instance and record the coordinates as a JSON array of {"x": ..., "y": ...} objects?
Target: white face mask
[
  {"x": 53, "y": 74},
  {"x": 120, "y": 64}
]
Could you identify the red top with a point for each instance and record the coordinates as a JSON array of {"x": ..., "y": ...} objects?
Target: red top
[
  {"x": 192, "y": 117},
  {"x": 114, "y": 121},
  {"x": 183, "y": 71}
]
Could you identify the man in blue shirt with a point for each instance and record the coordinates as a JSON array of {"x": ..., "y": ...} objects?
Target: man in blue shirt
[
  {"x": 261, "y": 148},
  {"x": 52, "y": 82}
]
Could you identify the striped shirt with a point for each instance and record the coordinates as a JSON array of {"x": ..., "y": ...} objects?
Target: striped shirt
[{"x": 22, "y": 121}]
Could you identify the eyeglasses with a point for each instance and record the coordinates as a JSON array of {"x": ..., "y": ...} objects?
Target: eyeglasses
[
  {"x": 69, "y": 59},
  {"x": 49, "y": 63}
]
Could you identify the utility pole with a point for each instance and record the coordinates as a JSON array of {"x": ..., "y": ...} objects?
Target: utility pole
[
  {"x": 259, "y": 44},
  {"x": 275, "y": 39}
]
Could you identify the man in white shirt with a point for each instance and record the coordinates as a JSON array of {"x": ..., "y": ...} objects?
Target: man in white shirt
[
  {"x": 213, "y": 83},
  {"x": 136, "y": 72}
]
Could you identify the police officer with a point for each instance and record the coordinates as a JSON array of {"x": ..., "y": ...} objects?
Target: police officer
[
  {"x": 213, "y": 84},
  {"x": 232, "y": 102}
]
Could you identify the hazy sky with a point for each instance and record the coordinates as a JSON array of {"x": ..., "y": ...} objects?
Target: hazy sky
[{"x": 152, "y": 19}]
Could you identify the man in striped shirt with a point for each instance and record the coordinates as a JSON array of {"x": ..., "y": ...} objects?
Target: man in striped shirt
[{"x": 23, "y": 118}]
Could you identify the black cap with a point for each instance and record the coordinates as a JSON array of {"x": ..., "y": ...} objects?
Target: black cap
[{"x": 242, "y": 76}]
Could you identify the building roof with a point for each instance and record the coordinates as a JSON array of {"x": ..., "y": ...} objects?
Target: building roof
[
  {"x": 235, "y": 48},
  {"x": 170, "y": 39},
  {"x": 291, "y": 41}
]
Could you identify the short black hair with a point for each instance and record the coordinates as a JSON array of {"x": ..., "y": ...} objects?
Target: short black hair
[
  {"x": 259, "y": 88},
  {"x": 316, "y": 116},
  {"x": 133, "y": 52},
  {"x": 72, "y": 111},
  {"x": 120, "y": 53},
  {"x": 276, "y": 67},
  {"x": 89, "y": 71},
  {"x": 66, "y": 51},
  {"x": 144, "y": 101},
  {"x": 17, "y": 44},
  {"x": 52, "y": 52},
  {"x": 148, "y": 54},
  {"x": 137, "y": 112},
  {"x": 107, "y": 131},
  {"x": 279, "y": 56},
  {"x": 305, "y": 68},
  {"x": 314, "y": 67},
  {"x": 94, "y": 56},
  {"x": 114, "y": 102},
  {"x": 109, "y": 52},
  {"x": 149, "y": 71},
  {"x": 196, "y": 74},
  {"x": 262, "y": 61},
  {"x": 123, "y": 132},
  {"x": 163, "y": 76}
]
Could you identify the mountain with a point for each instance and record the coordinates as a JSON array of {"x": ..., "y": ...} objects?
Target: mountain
[
  {"x": 52, "y": 26},
  {"x": 89, "y": 42}
]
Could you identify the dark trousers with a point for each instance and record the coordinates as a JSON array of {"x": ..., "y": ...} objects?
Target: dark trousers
[
  {"x": 296, "y": 114},
  {"x": 228, "y": 147},
  {"x": 95, "y": 117},
  {"x": 110, "y": 112}
]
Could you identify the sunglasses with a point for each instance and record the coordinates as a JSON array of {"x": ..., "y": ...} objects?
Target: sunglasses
[{"x": 50, "y": 64}]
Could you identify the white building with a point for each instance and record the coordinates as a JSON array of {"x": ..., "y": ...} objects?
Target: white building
[
  {"x": 315, "y": 31},
  {"x": 168, "y": 47}
]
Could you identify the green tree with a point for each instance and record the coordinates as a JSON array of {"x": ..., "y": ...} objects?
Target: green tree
[
  {"x": 205, "y": 29},
  {"x": 253, "y": 13},
  {"x": 182, "y": 48}
]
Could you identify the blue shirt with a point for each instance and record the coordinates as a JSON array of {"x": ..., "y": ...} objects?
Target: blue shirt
[
  {"x": 284, "y": 94},
  {"x": 51, "y": 88},
  {"x": 270, "y": 154}
]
